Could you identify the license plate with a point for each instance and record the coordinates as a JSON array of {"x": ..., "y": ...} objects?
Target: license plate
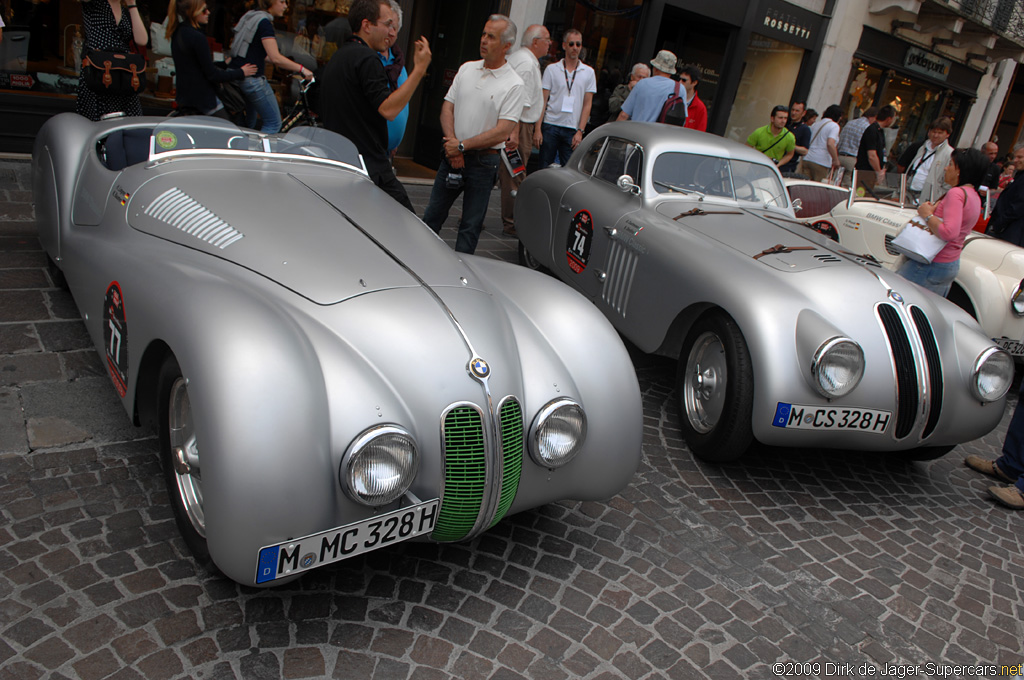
[
  {"x": 798, "y": 417},
  {"x": 334, "y": 545},
  {"x": 1012, "y": 346}
]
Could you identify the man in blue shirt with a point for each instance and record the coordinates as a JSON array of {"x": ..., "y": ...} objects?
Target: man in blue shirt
[
  {"x": 394, "y": 67},
  {"x": 648, "y": 97}
]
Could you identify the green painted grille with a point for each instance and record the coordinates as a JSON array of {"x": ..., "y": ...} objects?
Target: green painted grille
[
  {"x": 465, "y": 474},
  {"x": 512, "y": 450}
]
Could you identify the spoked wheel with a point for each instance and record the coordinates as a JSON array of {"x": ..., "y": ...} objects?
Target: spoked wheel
[
  {"x": 716, "y": 390},
  {"x": 529, "y": 261},
  {"x": 181, "y": 461}
]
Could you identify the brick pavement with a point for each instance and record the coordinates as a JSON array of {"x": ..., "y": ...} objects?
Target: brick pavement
[{"x": 693, "y": 571}]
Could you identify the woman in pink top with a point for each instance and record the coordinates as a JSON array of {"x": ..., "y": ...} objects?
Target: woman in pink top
[{"x": 951, "y": 219}]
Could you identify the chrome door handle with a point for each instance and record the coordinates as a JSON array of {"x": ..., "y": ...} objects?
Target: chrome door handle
[
  {"x": 612, "y": 231},
  {"x": 565, "y": 207},
  {"x": 601, "y": 276}
]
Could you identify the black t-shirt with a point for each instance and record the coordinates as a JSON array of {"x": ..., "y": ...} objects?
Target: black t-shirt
[
  {"x": 354, "y": 86},
  {"x": 802, "y": 132},
  {"x": 873, "y": 140}
]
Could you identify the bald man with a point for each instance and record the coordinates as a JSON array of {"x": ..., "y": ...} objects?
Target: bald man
[{"x": 991, "y": 178}]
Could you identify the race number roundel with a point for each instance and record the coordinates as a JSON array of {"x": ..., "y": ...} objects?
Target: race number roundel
[
  {"x": 577, "y": 247},
  {"x": 115, "y": 337}
]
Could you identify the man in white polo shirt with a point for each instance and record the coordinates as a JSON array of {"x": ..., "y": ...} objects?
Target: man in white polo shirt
[
  {"x": 526, "y": 63},
  {"x": 479, "y": 112},
  {"x": 569, "y": 87}
]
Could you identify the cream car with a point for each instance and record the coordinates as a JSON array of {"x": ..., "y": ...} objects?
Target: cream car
[{"x": 989, "y": 285}]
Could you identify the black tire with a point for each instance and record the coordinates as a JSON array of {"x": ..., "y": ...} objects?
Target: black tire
[
  {"x": 529, "y": 261},
  {"x": 715, "y": 382},
  {"x": 926, "y": 453},
  {"x": 183, "y": 487}
]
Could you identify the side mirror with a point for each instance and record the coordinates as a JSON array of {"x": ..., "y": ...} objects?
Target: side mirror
[
  {"x": 797, "y": 204},
  {"x": 625, "y": 183}
]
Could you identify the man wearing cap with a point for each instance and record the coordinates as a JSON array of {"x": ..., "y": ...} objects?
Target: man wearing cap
[
  {"x": 648, "y": 96},
  {"x": 569, "y": 86}
]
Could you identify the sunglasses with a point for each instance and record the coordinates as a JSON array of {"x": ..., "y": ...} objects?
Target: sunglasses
[{"x": 574, "y": 44}]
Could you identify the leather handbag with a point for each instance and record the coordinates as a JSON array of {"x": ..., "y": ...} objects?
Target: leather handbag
[{"x": 114, "y": 73}]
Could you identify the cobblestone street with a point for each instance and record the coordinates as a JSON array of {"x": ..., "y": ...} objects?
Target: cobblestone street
[{"x": 792, "y": 557}]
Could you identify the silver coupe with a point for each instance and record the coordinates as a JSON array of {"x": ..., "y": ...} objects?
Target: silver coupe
[
  {"x": 326, "y": 376},
  {"x": 688, "y": 243}
]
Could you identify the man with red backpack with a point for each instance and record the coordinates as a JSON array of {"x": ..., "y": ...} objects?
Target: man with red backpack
[{"x": 649, "y": 100}]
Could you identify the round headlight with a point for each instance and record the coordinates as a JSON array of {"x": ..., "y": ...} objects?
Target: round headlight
[
  {"x": 1017, "y": 299},
  {"x": 993, "y": 373},
  {"x": 837, "y": 367},
  {"x": 379, "y": 465},
  {"x": 558, "y": 433}
]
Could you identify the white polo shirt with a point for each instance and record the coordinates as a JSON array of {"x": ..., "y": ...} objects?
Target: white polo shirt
[
  {"x": 525, "y": 63},
  {"x": 482, "y": 96},
  {"x": 567, "y": 88}
]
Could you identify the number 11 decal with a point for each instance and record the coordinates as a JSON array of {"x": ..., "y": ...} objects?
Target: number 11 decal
[
  {"x": 115, "y": 337},
  {"x": 577, "y": 247}
]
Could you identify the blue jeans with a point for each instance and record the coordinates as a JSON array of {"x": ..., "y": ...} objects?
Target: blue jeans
[
  {"x": 557, "y": 139},
  {"x": 478, "y": 179},
  {"x": 1012, "y": 461},
  {"x": 936, "y": 277},
  {"x": 261, "y": 102}
]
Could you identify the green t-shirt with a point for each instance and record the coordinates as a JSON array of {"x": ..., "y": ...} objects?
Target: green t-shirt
[{"x": 762, "y": 138}]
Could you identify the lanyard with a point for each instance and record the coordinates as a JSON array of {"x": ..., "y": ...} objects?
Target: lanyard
[{"x": 565, "y": 73}]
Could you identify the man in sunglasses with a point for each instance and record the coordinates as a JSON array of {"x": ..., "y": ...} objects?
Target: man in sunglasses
[{"x": 569, "y": 87}]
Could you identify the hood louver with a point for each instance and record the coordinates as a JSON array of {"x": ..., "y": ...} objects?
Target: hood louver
[{"x": 181, "y": 211}]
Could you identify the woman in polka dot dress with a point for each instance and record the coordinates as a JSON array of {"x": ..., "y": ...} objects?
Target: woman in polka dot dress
[{"x": 110, "y": 25}]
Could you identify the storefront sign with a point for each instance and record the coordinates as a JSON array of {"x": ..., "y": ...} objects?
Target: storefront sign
[
  {"x": 778, "y": 23},
  {"x": 927, "y": 63}
]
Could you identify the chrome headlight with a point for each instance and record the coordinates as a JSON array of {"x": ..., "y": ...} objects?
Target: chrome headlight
[
  {"x": 557, "y": 433},
  {"x": 1017, "y": 300},
  {"x": 837, "y": 367},
  {"x": 993, "y": 373},
  {"x": 379, "y": 465}
]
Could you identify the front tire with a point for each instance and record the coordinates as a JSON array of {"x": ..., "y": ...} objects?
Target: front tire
[
  {"x": 180, "y": 459},
  {"x": 715, "y": 383},
  {"x": 527, "y": 260}
]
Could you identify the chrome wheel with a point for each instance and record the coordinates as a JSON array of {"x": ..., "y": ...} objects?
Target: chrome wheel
[
  {"x": 185, "y": 455},
  {"x": 704, "y": 383}
]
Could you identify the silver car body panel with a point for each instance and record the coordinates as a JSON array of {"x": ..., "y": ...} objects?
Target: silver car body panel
[
  {"x": 332, "y": 310},
  {"x": 660, "y": 260}
]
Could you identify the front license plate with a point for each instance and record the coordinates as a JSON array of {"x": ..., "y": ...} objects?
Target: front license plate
[
  {"x": 1012, "y": 346},
  {"x": 334, "y": 545},
  {"x": 798, "y": 417}
]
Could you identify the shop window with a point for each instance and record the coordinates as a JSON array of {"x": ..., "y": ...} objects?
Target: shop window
[
  {"x": 861, "y": 90},
  {"x": 770, "y": 69}
]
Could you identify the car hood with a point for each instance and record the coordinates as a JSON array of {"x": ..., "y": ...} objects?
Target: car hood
[
  {"x": 773, "y": 240},
  {"x": 998, "y": 255},
  {"x": 326, "y": 237}
]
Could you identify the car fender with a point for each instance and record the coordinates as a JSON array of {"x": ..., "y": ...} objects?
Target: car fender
[{"x": 554, "y": 317}]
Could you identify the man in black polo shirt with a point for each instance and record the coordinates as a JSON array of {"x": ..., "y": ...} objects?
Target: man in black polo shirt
[
  {"x": 357, "y": 100},
  {"x": 871, "y": 150}
]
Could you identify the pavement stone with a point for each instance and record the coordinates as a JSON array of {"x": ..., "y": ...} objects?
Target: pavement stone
[{"x": 791, "y": 556}]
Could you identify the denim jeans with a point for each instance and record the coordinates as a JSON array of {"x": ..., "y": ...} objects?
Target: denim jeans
[
  {"x": 557, "y": 139},
  {"x": 1011, "y": 463},
  {"x": 478, "y": 179},
  {"x": 936, "y": 277},
  {"x": 261, "y": 102}
]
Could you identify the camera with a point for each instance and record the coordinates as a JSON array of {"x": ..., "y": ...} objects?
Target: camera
[{"x": 453, "y": 180}]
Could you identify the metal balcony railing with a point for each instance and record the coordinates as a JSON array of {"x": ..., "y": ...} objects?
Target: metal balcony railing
[{"x": 1004, "y": 17}]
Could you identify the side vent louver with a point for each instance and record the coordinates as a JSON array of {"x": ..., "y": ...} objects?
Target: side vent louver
[{"x": 184, "y": 213}]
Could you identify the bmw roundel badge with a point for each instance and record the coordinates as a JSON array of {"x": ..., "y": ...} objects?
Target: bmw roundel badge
[
  {"x": 479, "y": 368},
  {"x": 896, "y": 296}
]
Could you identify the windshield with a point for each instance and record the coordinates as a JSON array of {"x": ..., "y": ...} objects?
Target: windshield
[
  {"x": 314, "y": 142},
  {"x": 721, "y": 177}
]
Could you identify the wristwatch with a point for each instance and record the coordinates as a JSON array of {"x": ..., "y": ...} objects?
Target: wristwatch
[{"x": 462, "y": 147}]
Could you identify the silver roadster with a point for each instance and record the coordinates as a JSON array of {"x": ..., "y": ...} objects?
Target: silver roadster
[
  {"x": 326, "y": 376},
  {"x": 688, "y": 243}
]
